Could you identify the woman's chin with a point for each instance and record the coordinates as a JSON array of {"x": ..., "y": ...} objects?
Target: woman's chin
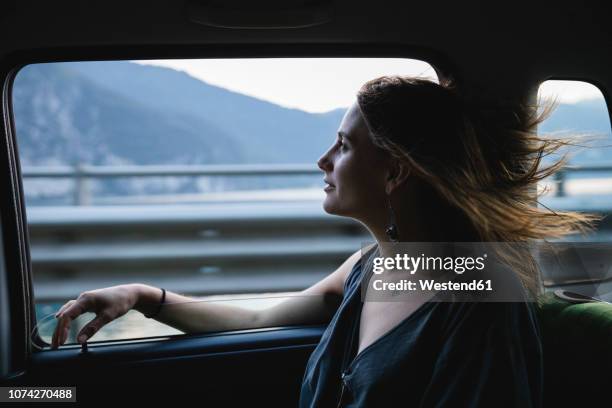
[{"x": 329, "y": 207}]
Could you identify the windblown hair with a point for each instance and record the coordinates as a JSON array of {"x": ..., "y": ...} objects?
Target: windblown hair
[{"x": 482, "y": 158}]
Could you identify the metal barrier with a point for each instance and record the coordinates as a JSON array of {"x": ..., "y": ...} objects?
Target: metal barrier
[
  {"x": 83, "y": 173},
  {"x": 561, "y": 176},
  {"x": 198, "y": 249}
]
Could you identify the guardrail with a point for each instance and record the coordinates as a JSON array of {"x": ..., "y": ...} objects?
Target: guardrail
[
  {"x": 83, "y": 173},
  {"x": 199, "y": 249},
  {"x": 561, "y": 176}
]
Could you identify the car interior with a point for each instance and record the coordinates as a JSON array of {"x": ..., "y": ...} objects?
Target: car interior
[{"x": 494, "y": 51}]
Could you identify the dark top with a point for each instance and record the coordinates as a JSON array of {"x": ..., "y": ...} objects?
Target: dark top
[{"x": 468, "y": 354}]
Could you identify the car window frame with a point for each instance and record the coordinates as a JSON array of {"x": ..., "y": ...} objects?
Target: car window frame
[{"x": 18, "y": 258}]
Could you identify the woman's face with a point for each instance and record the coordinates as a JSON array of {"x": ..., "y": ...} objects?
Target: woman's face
[{"x": 354, "y": 170}]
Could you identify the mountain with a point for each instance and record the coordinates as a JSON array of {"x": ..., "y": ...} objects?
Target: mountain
[
  {"x": 589, "y": 118},
  {"x": 586, "y": 116},
  {"x": 61, "y": 117},
  {"x": 266, "y": 132},
  {"x": 121, "y": 112}
]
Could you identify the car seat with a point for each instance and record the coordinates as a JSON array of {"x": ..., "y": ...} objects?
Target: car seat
[{"x": 577, "y": 349}]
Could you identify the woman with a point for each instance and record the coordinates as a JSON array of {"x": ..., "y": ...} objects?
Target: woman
[{"x": 413, "y": 162}]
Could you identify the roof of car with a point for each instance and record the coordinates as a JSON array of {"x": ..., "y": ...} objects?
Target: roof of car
[{"x": 505, "y": 47}]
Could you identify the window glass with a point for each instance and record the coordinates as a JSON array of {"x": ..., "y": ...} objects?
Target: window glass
[
  {"x": 581, "y": 114},
  {"x": 585, "y": 184},
  {"x": 198, "y": 176}
]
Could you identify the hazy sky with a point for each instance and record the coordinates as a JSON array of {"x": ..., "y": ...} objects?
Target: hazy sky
[{"x": 323, "y": 84}]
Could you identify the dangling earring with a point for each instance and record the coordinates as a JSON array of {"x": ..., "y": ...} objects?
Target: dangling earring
[{"x": 391, "y": 229}]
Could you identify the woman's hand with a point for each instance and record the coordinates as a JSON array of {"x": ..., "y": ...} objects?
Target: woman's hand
[{"x": 108, "y": 304}]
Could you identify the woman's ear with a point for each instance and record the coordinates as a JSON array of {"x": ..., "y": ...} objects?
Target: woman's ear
[{"x": 397, "y": 175}]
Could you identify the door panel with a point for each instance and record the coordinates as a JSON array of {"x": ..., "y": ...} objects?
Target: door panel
[{"x": 263, "y": 365}]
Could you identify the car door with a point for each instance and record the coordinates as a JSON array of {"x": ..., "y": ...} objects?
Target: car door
[{"x": 262, "y": 365}]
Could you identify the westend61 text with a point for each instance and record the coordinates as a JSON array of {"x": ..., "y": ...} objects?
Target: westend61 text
[{"x": 430, "y": 284}]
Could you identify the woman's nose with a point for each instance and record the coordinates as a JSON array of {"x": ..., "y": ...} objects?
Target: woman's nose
[{"x": 324, "y": 162}]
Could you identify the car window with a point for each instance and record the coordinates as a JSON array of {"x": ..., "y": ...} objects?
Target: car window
[
  {"x": 585, "y": 184},
  {"x": 581, "y": 114},
  {"x": 198, "y": 176}
]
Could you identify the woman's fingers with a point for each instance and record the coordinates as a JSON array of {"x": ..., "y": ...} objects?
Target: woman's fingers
[
  {"x": 55, "y": 340},
  {"x": 69, "y": 303},
  {"x": 83, "y": 304},
  {"x": 64, "y": 330},
  {"x": 59, "y": 334},
  {"x": 54, "y": 337},
  {"x": 93, "y": 327},
  {"x": 70, "y": 311}
]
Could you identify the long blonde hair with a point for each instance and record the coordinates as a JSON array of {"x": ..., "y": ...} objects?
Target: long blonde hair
[{"x": 482, "y": 159}]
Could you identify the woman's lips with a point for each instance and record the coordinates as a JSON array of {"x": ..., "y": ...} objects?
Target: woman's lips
[{"x": 329, "y": 187}]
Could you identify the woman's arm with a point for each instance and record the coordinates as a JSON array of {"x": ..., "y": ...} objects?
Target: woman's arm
[{"x": 315, "y": 304}]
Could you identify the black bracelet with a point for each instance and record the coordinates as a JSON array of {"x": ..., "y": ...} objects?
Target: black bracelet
[{"x": 163, "y": 299}]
